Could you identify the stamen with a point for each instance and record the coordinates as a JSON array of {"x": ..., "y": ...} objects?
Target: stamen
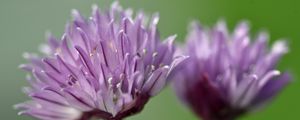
[
  {"x": 161, "y": 65},
  {"x": 152, "y": 67},
  {"x": 115, "y": 98},
  {"x": 144, "y": 51},
  {"x": 166, "y": 67},
  {"x": 110, "y": 80},
  {"x": 119, "y": 85},
  {"x": 72, "y": 80},
  {"x": 154, "y": 54},
  {"x": 93, "y": 51},
  {"x": 57, "y": 51}
]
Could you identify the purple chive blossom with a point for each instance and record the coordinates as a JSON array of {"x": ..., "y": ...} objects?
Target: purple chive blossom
[
  {"x": 227, "y": 75},
  {"x": 107, "y": 67}
]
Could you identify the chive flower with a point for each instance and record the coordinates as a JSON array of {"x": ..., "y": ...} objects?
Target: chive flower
[{"x": 105, "y": 67}]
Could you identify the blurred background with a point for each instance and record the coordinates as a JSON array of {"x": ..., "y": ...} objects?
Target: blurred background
[{"x": 23, "y": 24}]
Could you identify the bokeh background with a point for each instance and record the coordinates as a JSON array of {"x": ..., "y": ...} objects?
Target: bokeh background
[{"x": 24, "y": 22}]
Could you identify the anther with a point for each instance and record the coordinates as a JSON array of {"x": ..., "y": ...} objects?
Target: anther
[{"x": 154, "y": 54}]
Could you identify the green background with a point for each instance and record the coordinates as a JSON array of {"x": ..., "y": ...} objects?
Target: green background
[{"x": 24, "y": 22}]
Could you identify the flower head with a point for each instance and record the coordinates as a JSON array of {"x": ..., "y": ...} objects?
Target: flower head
[
  {"x": 107, "y": 66},
  {"x": 227, "y": 75}
]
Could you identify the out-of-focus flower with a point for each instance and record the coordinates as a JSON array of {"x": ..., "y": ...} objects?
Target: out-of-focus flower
[
  {"x": 107, "y": 66},
  {"x": 227, "y": 75}
]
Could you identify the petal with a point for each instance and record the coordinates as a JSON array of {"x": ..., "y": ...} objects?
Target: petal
[{"x": 156, "y": 81}]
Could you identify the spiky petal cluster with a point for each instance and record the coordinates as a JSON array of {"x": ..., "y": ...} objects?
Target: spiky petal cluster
[
  {"x": 105, "y": 67},
  {"x": 227, "y": 75}
]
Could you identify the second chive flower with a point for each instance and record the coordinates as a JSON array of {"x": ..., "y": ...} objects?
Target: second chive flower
[{"x": 227, "y": 75}]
